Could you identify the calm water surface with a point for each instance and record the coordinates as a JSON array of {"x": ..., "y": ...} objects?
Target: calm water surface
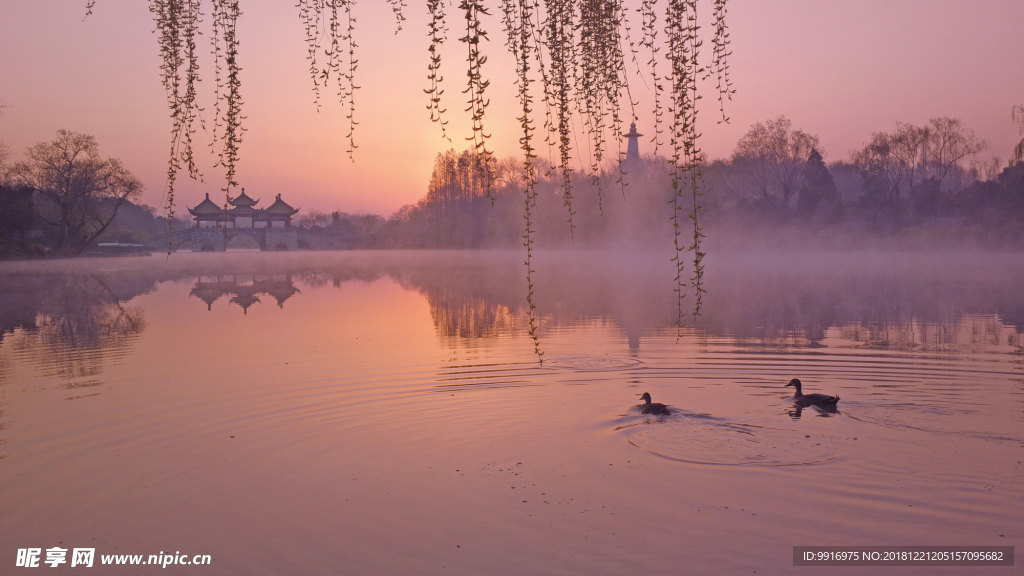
[{"x": 384, "y": 413}]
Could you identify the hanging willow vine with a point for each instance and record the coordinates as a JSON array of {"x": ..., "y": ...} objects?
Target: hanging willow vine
[
  {"x": 573, "y": 47},
  {"x": 601, "y": 77},
  {"x": 518, "y": 19},
  {"x": 476, "y": 85},
  {"x": 227, "y": 89},
  {"x": 683, "y": 46},
  {"x": 438, "y": 34},
  {"x": 558, "y": 83},
  {"x": 330, "y": 27},
  {"x": 178, "y": 24}
]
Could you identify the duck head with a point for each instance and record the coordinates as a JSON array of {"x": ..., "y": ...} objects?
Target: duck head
[
  {"x": 795, "y": 383},
  {"x": 646, "y": 398}
]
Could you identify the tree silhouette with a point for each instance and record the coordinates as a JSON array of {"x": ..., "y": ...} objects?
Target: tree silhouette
[
  {"x": 818, "y": 193},
  {"x": 772, "y": 156},
  {"x": 923, "y": 161},
  {"x": 79, "y": 192},
  {"x": 1018, "y": 150}
]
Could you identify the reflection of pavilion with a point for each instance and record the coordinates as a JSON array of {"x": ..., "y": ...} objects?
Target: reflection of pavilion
[{"x": 244, "y": 290}]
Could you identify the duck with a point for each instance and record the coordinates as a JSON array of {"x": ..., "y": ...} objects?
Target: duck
[
  {"x": 802, "y": 399},
  {"x": 649, "y": 407}
]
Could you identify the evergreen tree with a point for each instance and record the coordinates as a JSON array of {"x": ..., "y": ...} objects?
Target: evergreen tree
[{"x": 818, "y": 195}]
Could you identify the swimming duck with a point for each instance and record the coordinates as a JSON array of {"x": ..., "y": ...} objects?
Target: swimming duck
[
  {"x": 802, "y": 399},
  {"x": 649, "y": 407}
]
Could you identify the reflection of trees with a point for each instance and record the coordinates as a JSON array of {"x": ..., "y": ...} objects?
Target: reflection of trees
[
  {"x": 927, "y": 308},
  {"x": 20, "y": 297},
  {"x": 771, "y": 311},
  {"x": 79, "y": 323},
  {"x": 755, "y": 301},
  {"x": 970, "y": 331},
  {"x": 456, "y": 316},
  {"x": 70, "y": 325}
]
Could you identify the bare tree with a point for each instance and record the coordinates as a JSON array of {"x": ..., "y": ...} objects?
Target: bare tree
[
  {"x": 79, "y": 192},
  {"x": 771, "y": 158},
  {"x": 908, "y": 146},
  {"x": 884, "y": 169},
  {"x": 508, "y": 172},
  {"x": 1018, "y": 150},
  {"x": 314, "y": 217},
  {"x": 986, "y": 170},
  {"x": 455, "y": 182},
  {"x": 5, "y": 151},
  {"x": 949, "y": 143},
  {"x": 923, "y": 160}
]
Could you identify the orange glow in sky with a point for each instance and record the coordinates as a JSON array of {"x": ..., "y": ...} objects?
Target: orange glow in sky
[{"x": 838, "y": 70}]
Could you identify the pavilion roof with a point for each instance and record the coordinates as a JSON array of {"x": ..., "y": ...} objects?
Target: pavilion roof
[
  {"x": 243, "y": 200},
  {"x": 245, "y": 300},
  {"x": 281, "y": 208},
  {"x": 243, "y": 211},
  {"x": 206, "y": 207},
  {"x": 208, "y": 295}
]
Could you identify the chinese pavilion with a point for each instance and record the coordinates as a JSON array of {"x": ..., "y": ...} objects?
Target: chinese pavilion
[
  {"x": 243, "y": 214},
  {"x": 271, "y": 227}
]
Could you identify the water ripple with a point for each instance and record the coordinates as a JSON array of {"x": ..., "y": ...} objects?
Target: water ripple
[
  {"x": 695, "y": 438},
  {"x": 586, "y": 362}
]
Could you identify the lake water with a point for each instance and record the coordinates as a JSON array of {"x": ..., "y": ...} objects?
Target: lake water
[{"x": 385, "y": 413}]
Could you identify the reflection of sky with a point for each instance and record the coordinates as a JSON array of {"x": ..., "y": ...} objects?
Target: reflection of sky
[
  {"x": 838, "y": 70},
  {"x": 352, "y": 417}
]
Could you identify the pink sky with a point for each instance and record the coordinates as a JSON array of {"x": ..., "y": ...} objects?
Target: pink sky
[{"x": 839, "y": 70}]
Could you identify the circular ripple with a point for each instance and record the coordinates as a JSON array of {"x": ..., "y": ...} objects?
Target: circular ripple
[
  {"x": 592, "y": 363},
  {"x": 699, "y": 439}
]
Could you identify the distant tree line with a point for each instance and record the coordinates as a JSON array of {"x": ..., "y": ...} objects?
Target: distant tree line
[
  {"x": 915, "y": 179},
  {"x": 924, "y": 180}
]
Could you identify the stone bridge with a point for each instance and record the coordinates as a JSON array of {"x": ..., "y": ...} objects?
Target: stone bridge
[{"x": 272, "y": 239}]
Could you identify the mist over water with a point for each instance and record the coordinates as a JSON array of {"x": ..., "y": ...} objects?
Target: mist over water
[{"x": 387, "y": 407}]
